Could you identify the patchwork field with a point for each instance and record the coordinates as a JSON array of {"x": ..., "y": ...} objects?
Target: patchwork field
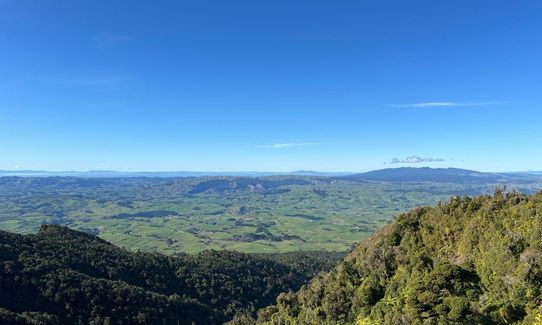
[{"x": 188, "y": 215}]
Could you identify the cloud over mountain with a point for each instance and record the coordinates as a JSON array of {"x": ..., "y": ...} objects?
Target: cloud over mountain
[{"x": 414, "y": 160}]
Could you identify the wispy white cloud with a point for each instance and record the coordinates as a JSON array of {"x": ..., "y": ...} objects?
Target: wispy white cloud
[
  {"x": 414, "y": 160},
  {"x": 288, "y": 145},
  {"x": 446, "y": 104}
]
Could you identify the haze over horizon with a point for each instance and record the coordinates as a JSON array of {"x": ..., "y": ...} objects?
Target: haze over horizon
[
  {"x": 175, "y": 173},
  {"x": 272, "y": 87}
]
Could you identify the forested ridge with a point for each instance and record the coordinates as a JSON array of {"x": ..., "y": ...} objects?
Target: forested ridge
[
  {"x": 470, "y": 261},
  {"x": 69, "y": 277}
]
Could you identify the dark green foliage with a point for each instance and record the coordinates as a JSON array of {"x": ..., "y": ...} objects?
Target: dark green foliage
[
  {"x": 9, "y": 318},
  {"x": 470, "y": 261},
  {"x": 64, "y": 276},
  {"x": 309, "y": 263}
]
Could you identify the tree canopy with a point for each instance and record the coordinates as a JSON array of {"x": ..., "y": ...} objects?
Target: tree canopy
[
  {"x": 470, "y": 261},
  {"x": 65, "y": 276}
]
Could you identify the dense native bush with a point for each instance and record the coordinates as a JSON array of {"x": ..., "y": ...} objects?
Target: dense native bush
[
  {"x": 470, "y": 261},
  {"x": 69, "y": 277}
]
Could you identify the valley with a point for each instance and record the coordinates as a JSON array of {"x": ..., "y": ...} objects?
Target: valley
[
  {"x": 471, "y": 260},
  {"x": 247, "y": 214}
]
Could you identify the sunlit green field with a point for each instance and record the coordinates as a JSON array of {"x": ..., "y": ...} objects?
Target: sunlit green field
[{"x": 160, "y": 215}]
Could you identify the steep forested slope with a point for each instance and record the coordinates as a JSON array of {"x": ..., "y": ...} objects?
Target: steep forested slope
[
  {"x": 64, "y": 276},
  {"x": 470, "y": 261}
]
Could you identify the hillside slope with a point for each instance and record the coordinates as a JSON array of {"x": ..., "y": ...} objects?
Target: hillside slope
[
  {"x": 470, "y": 261},
  {"x": 439, "y": 175},
  {"x": 69, "y": 277}
]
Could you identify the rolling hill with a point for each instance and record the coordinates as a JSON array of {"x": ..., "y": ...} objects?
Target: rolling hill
[
  {"x": 469, "y": 261},
  {"x": 472, "y": 260},
  {"x": 178, "y": 215}
]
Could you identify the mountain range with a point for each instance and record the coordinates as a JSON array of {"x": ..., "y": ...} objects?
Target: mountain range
[
  {"x": 399, "y": 175},
  {"x": 440, "y": 175}
]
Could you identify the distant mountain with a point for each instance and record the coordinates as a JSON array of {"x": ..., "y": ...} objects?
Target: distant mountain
[
  {"x": 118, "y": 174},
  {"x": 394, "y": 175},
  {"x": 317, "y": 173},
  {"x": 438, "y": 175},
  {"x": 531, "y": 173},
  {"x": 238, "y": 180}
]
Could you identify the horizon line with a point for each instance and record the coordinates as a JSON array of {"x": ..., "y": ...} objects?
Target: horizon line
[{"x": 14, "y": 171}]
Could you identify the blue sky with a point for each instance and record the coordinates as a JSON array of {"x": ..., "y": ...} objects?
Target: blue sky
[{"x": 270, "y": 85}]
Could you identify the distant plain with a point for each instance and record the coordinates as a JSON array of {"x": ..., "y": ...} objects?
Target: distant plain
[{"x": 247, "y": 214}]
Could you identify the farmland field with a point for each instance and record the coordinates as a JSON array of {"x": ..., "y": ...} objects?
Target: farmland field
[{"x": 188, "y": 215}]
